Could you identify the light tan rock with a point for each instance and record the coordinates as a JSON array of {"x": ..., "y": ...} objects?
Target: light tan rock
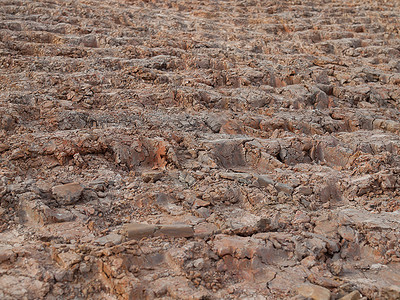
[
  {"x": 354, "y": 295},
  {"x": 68, "y": 259},
  {"x": 314, "y": 292},
  {"x": 391, "y": 292}
]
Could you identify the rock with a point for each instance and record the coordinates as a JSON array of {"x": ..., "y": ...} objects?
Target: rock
[
  {"x": 90, "y": 41},
  {"x": 282, "y": 282},
  {"x": 314, "y": 292},
  {"x": 67, "y": 194},
  {"x": 366, "y": 219},
  {"x": 200, "y": 203},
  {"x": 67, "y": 259},
  {"x": 301, "y": 218},
  {"x": 178, "y": 230},
  {"x": 84, "y": 267},
  {"x": 264, "y": 181},
  {"x": 326, "y": 227},
  {"x": 137, "y": 231},
  {"x": 110, "y": 238},
  {"x": 229, "y": 152},
  {"x": 59, "y": 215},
  {"x": 354, "y": 295},
  {"x": 215, "y": 123},
  {"x": 309, "y": 261},
  {"x": 232, "y": 127},
  {"x": 391, "y": 292},
  {"x": 7, "y": 122},
  {"x": 253, "y": 145},
  {"x": 240, "y": 177},
  {"x": 205, "y": 230},
  {"x": 187, "y": 178},
  {"x": 285, "y": 188},
  {"x": 151, "y": 176},
  {"x": 239, "y": 247},
  {"x": 63, "y": 275},
  {"x": 348, "y": 233},
  {"x": 4, "y": 147},
  {"x": 6, "y": 254},
  {"x": 22, "y": 287},
  {"x": 203, "y": 212}
]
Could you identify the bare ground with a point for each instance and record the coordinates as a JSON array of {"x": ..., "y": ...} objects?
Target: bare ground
[{"x": 199, "y": 149}]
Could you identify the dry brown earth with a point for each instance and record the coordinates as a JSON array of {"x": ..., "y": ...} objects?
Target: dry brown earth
[{"x": 199, "y": 149}]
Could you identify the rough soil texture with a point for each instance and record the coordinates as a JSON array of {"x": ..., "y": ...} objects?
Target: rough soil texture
[{"x": 199, "y": 149}]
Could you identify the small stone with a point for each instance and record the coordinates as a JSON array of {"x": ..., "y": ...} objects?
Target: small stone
[
  {"x": 66, "y": 194},
  {"x": 354, "y": 295},
  {"x": 314, "y": 292}
]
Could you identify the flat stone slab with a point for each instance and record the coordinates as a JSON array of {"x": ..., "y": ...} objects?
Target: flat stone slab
[
  {"x": 138, "y": 230},
  {"x": 179, "y": 230}
]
